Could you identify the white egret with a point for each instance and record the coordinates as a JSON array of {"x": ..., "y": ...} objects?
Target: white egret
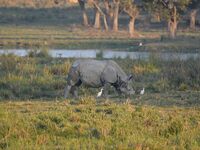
[
  {"x": 142, "y": 92},
  {"x": 100, "y": 93}
]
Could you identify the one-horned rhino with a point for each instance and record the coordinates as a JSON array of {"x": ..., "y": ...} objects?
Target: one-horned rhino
[{"x": 96, "y": 73}]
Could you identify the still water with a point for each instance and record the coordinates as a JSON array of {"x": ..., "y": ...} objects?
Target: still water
[{"x": 93, "y": 53}]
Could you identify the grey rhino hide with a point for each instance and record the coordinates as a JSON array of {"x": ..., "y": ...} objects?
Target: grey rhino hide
[{"x": 95, "y": 73}]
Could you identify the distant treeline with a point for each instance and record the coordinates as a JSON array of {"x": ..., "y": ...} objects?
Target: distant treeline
[
  {"x": 108, "y": 11},
  {"x": 33, "y": 3}
]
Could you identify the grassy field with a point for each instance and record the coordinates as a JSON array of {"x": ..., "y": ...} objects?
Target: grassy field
[
  {"x": 57, "y": 28},
  {"x": 91, "y": 125}
]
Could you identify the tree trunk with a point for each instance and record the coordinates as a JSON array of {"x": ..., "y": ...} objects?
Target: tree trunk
[
  {"x": 105, "y": 23},
  {"x": 172, "y": 24},
  {"x": 102, "y": 13},
  {"x": 132, "y": 26},
  {"x": 133, "y": 13},
  {"x": 97, "y": 23},
  {"x": 109, "y": 12},
  {"x": 172, "y": 28},
  {"x": 116, "y": 15},
  {"x": 157, "y": 17},
  {"x": 193, "y": 15},
  {"x": 85, "y": 17}
]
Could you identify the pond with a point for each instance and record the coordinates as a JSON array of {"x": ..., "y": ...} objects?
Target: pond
[{"x": 107, "y": 54}]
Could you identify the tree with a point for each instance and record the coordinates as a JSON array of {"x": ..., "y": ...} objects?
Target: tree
[
  {"x": 194, "y": 8},
  {"x": 116, "y": 14},
  {"x": 109, "y": 11},
  {"x": 97, "y": 22},
  {"x": 99, "y": 12},
  {"x": 131, "y": 9},
  {"x": 170, "y": 10},
  {"x": 84, "y": 14},
  {"x": 155, "y": 10}
]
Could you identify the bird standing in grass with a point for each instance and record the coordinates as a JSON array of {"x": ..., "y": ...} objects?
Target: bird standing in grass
[
  {"x": 140, "y": 44},
  {"x": 142, "y": 92},
  {"x": 100, "y": 93}
]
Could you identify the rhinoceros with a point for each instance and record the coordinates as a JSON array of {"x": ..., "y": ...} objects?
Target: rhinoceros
[{"x": 96, "y": 73}]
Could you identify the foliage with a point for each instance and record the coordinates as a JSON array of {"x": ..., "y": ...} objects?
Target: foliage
[
  {"x": 164, "y": 7},
  {"x": 194, "y": 4}
]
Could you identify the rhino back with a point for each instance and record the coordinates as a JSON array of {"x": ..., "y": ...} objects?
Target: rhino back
[
  {"x": 119, "y": 70},
  {"x": 90, "y": 71}
]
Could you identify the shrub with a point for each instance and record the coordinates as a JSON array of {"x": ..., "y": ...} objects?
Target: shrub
[
  {"x": 43, "y": 53},
  {"x": 99, "y": 55},
  {"x": 60, "y": 69},
  {"x": 8, "y": 63},
  {"x": 181, "y": 74},
  {"x": 183, "y": 87},
  {"x": 145, "y": 68}
]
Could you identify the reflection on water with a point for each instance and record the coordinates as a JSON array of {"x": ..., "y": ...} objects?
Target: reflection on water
[{"x": 92, "y": 53}]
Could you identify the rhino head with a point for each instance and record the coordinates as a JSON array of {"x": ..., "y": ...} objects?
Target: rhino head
[{"x": 125, "y": 86}]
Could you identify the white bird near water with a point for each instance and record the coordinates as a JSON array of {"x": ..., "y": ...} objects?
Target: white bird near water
[
  {"x": 100, "y": 93},
  {"x": 140, "y": 44},
  {"x": 142, "y": 92}
]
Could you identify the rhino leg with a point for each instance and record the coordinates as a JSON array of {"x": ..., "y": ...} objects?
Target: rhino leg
[
  {"x": 74, "y": 91},
  {"x": 119, "y": 92},
  {"x": 66, "y": 91},
  {"x": 105, "y": 91}
]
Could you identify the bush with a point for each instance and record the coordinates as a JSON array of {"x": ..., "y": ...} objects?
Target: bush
[
  {"x": 43, "y": 53},
  {"x": 145, "y": 68},
  {"x": 60, "y": 69},
  {"x": 27, "y": 78},
  {"x": 181, "y": 74},
  {"x": 8, "y": 63}
]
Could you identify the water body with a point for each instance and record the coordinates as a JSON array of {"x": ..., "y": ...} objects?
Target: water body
[{"x": 92, "y": 53}]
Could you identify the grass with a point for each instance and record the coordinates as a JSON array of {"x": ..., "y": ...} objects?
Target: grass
[{"x": 60, "y": 125}]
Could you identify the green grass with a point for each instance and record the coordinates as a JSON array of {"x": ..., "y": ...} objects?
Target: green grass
[{"x": 60, "y": 125}]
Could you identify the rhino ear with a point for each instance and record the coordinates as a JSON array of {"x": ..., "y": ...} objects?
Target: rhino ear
[{"x": 130, "y": 77}]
